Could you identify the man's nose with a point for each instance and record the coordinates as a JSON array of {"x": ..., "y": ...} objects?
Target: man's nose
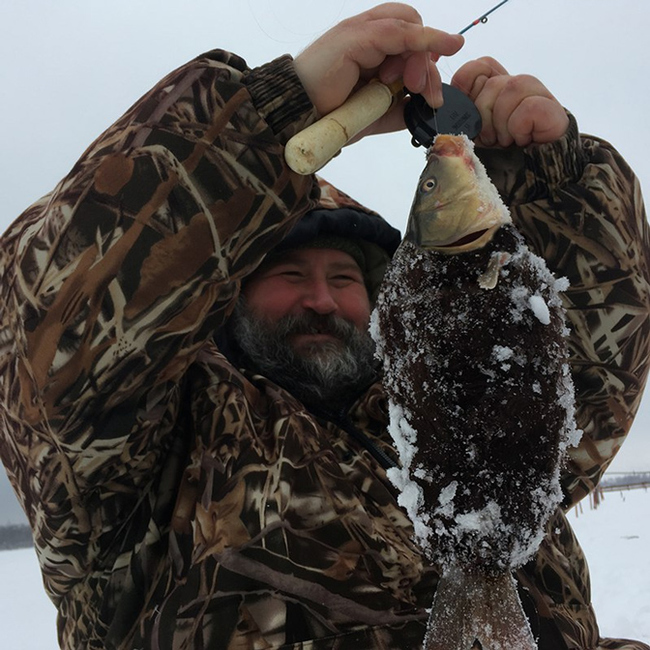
[{"x": 318, "y": 297}]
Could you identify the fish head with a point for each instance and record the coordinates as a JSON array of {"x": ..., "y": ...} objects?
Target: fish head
[{"x": 456, "y": 207}]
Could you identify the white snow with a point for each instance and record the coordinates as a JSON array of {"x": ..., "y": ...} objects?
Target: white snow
[
  {"x": 487, "y": 521},
  {"x": 615, "y": 538},
  {"x": 485, "y": 188},
  {"x": 27, "y": 616},
  {"x": 540, "y": 309},
  {"x": 446, "y": 500}
]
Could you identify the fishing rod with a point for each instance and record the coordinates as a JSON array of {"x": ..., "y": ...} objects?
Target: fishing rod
[
  {"x": 308, "y": 151},
  {"x": 484, "y": 18}
]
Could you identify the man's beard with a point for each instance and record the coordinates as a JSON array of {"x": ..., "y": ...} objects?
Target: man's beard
[{"x": 325, "y": 375}]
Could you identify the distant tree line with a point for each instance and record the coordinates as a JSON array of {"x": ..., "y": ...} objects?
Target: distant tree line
[
  {"x": 15, "y": 536},
  {"x": 625, "y": 480}
]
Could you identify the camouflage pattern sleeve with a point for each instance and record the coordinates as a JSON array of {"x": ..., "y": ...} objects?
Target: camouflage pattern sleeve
[
  {"x": 112, "y": 283},
  {"x": 580, "y": 207}
]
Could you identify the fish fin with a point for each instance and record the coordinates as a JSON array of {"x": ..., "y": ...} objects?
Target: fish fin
[
  {"x": 490, "y": 277},
  {"x": 474, "y": 611}
]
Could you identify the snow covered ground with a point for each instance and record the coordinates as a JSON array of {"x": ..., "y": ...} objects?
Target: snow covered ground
[
  {"x": 615, "y": 537},
  {"x": 616, "y": 540}
]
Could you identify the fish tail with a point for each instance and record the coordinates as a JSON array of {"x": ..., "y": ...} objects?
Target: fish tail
[{"x": 472, "y": 611}]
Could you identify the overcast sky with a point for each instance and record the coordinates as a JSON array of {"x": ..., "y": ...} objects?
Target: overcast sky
[{"x": 69, "y": 68}]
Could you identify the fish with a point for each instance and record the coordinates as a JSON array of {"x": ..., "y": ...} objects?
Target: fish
[{"x": 471, "y": 333}]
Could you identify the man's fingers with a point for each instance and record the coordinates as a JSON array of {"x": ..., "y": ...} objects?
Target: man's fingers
[
  {"x": 388, "y": 41},
  {"x": 520, "y": 97},
  {"x": 485, "y": 96},
  {"x": 539, "y": 120},
  {"x": 410, "y": 51},
  {"x": 514, "y": 108},
  {"x": 471, "y": 76},
  {"x": 388, "y": 37},
  {"x": 422, "y": 76},
  {"x": 397, "y": 10},
  {"x": 331, "y": 67}
]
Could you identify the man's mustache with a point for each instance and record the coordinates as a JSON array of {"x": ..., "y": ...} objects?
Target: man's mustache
[{"x": 311, "y": 323}]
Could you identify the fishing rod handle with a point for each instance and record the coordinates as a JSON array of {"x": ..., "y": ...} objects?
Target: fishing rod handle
[{"x": 312, "y": 148}]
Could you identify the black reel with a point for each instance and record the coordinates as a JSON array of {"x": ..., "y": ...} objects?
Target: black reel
[{"x": 457, "y": 115}]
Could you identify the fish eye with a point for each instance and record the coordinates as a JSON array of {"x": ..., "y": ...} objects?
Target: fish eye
[{"x": 429, "y": 184}]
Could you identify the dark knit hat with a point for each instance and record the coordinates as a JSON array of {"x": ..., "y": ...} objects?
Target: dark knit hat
[{"x": 344, "y": 244}]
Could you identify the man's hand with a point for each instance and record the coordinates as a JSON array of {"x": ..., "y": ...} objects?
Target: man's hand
[
  {"x": 388, "y": 42},
  {"x": 515, "y": 109}
]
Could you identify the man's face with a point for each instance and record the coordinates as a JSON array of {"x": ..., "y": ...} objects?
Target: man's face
[
  {"x": 321, "y": 281},
  {"x": 303, "y": 323}
]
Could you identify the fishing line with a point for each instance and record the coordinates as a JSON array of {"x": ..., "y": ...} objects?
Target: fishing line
[
  {"x": 481, "y": 20},
  {"x": 457, "y": 115}
]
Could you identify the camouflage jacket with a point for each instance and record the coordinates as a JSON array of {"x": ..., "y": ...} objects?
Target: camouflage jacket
[{"x": 179, "y": 502}]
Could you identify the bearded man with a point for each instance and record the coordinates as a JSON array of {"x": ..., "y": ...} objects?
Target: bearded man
[
  {"x": 190, "y": 413},
  {"x": 302, "y": 318}
]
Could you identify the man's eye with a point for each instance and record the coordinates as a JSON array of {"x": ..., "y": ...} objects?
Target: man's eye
[
  {"x": 290, "y": 273},
  {"x": 345, "y": 277}
]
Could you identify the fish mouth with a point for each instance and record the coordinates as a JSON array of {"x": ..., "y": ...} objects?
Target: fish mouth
[
  {"x": 471, "y": 241},
  {"x": 467, "y": 239}
]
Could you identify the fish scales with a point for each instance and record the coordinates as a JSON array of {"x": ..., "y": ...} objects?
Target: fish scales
[{"x": 471, "y": 331}]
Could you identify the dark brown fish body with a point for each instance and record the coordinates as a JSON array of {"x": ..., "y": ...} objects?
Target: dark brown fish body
[{"x": 475, "y": 363}]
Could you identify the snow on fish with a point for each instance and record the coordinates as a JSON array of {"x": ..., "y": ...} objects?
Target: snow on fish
[{"x": 470, "y": 329}]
